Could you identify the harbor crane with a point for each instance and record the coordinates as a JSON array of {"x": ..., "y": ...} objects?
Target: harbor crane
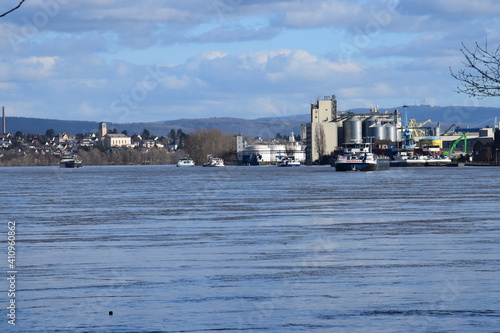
[
  {"x": 415, "y": 127},
  {"x": 408, "y": 138},
  {"x": 454, "y": 145},
  {"x": 457, "y": 127}
]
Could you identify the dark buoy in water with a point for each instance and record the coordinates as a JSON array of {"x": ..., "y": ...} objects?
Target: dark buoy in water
[{"x": 110, "y": 313}]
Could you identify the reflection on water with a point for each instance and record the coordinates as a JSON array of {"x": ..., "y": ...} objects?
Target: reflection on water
[{"x": 242, "y": 249}]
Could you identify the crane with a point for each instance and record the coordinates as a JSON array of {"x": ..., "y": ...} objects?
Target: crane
[
  {"x": 408, "y": 138},
  {"x": 454, "y": 145},
  {"x": 414, "y": 127},
  {"x": 457, "y": 127}
]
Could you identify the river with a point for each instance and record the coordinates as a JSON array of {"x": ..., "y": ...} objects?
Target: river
[{"x": 252, "y": 249}]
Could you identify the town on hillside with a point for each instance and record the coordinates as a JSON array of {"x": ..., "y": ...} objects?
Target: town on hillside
[
  {"x": 95, "y": 148},
  {"x": 108, "y": 147}
]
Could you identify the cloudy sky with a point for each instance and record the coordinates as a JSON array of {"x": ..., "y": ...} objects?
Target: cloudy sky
[{"x": 151, "y": 60}]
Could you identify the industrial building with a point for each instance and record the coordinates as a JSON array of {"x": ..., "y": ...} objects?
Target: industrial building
[
  {"x": 268, "y": 153},
  {"x": 390, "y": 131},
  {"x": 330, "y": 129}
]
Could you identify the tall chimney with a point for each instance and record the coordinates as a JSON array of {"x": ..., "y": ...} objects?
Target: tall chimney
[{"x": 4, "y": 125}]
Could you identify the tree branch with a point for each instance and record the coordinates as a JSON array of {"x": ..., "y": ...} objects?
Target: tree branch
[
  {"x": 13, "y": 9},
  {"x": 481, "y": 76}
]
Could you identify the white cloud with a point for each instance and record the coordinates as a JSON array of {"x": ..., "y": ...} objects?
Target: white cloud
[
  {"x": 246, "y": 59},
  {"x": 28, "y": 69},
  {"x": 211, "y": 55},
  {"x": 305, "y": 66}
]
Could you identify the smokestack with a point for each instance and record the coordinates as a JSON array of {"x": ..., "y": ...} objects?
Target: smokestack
[{"x": 4, "y": 125}]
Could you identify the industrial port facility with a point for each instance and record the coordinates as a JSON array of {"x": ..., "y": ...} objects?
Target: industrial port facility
[{"x": 391, "y": 133}]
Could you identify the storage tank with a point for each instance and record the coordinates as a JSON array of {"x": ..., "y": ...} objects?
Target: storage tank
[
  {"x": 431, "y": 141},
  {"x": 390, "y": 131},
  {"x": 377, "y": 131},
  {"x": 437, "y": 130},
  {"x": 366, "y": 125},
  {"x": 352, "y": 130},
  {"x": 399, "y": 133}
]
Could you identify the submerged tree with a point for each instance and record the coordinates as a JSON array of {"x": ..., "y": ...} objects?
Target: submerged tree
[
  {"x": 205, "y": 142},
  {"x": 481, "y": 76}
]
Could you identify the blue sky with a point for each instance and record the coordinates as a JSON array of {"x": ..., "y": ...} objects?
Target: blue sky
[{"x": 153, "y": 60}]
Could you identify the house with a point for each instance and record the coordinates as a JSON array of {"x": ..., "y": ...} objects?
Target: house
[
  {"x": 87, "y": 139},
  {"x": 5, "y": 143},
  {"x": 64, "y": 137},
  {"x": 483, "y": 151}
]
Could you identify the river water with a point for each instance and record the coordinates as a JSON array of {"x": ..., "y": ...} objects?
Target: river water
[{"x": 252, "y": 249}]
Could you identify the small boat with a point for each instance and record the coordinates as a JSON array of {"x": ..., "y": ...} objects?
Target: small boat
[
  {"x": 185, "y": 162},
  {"x": 70, "y": 162},
  {"x": 359, "y": 157},
  {"x": 287, "y": 161},
  {"x": 214, "y": 162}
]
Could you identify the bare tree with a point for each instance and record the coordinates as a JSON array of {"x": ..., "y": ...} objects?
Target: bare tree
[
  {"x": 208, "y": 142},
  {"x": 319, "y": 140},
  {"x": 13, "y": 9},
  {"x": 481, "y": 76}
]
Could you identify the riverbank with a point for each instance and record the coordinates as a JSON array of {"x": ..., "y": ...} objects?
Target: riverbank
[
  {"x": 9, "y": 158},
  {"x": 92, "y": 157}
]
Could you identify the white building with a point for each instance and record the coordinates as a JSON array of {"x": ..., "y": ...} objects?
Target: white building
[
  {"x": 268, "y": 153},
  {"x": 117, "y": 140}
]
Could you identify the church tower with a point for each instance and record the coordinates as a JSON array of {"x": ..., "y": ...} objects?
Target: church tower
[{"x": 102, "y": 130}]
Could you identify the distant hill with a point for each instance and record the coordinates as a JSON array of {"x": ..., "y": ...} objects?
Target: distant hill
[
  {"x": 263, "y": 127},
  {"x": 40, "y": 126},
  {"x": 253, "y": 128}
]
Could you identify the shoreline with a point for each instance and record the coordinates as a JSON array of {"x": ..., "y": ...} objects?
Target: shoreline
[{"x": 244, "y": 165}]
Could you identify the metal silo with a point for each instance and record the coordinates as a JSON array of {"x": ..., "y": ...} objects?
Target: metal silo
[
  {"x": 377, "y": 131},
  {"x": 437, "y": 130},
  {"x": 366, "y": 125},
  {"x": 390, "y": 131},
  {"x": 353, "y": 130}
]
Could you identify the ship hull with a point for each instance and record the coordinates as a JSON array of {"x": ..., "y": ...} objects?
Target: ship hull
[
  {"x": 378, "y": 165},
  {"x": 70, "y": 164},
  {"x": 407, "y": 163}
]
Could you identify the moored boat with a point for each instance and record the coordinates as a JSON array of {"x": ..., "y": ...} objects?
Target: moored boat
[
  {"x": 404, "y": 159},
  {"x": 214, "y": 162},
  {"x": 185, "y": 162},
  {"x": 70, "y": 162},
  {"x": 437, "y": 161},
  {"x": 287, "y": 161}
]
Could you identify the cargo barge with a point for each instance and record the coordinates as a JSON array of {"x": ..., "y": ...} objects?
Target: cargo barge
[{"x": 359, "y": 157}]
